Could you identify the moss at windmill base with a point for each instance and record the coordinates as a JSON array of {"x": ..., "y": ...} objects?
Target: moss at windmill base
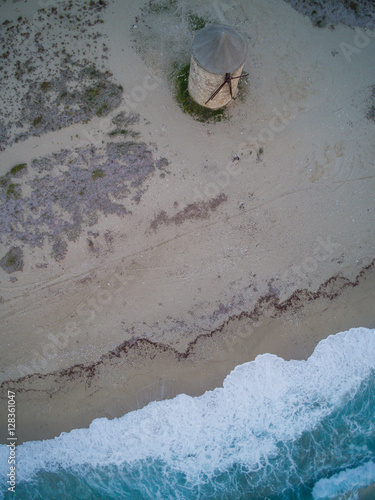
[{"x": 185, "y": 101}]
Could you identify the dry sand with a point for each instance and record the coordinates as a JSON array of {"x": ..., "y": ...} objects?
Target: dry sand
[{"x": 227, "y": 217}]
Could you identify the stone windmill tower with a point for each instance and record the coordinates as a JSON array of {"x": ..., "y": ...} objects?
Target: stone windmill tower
[{"x": 218, "y": 57}]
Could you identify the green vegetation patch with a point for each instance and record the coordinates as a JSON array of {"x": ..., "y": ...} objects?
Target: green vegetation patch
[
  {"x": 196, "y": 22},
  {"x": 37, "y": 121},
  {"x": 118, "y": 131},
  {"x": 96, "y": 99},
  {"x": 124, "y": 131},
  {"x": 20, "y": 167},
  {"x": 125, "y": 148},
  {"x": 97, "y": 174},
  {"x": 46, "y": 86},
  {"x": 92, "y": 72},
  {"x": 102, "y": 110},
  {"x": 187, "y": 104},
  {"x": 355, "y": 7},
  {"x": 163, "y": 6},
  {"x": 92, "y": 93},
  {"x": 13, "y": 191},
  {"x": 371, "y": 111}
]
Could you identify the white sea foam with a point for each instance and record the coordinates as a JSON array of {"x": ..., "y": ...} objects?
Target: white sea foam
[
  {"x": 261, "y": 403},
  {"x": 345, "y": 482}
]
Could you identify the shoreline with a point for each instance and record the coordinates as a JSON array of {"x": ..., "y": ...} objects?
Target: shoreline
[{"x": 152, "y": 371}]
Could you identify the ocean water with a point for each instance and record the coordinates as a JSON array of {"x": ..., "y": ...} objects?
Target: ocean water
[{"x": 276, "y": 430}]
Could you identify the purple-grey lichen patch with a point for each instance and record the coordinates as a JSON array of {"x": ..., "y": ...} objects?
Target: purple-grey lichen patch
[
  {"x": 68, "y": 191},
  {"x": 52, "y": 70}
]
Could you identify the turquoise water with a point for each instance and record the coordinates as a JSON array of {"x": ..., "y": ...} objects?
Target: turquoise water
[{"x": 276, "y": 430}]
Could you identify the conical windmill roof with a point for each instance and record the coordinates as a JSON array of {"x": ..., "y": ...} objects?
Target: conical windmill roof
[{"x": 219, "y": 49}]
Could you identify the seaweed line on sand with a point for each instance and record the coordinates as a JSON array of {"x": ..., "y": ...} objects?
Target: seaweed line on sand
[{"x": 329, "y": 290}]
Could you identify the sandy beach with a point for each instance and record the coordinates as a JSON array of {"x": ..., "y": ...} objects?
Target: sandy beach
[{"x": 145, "y": 253}]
